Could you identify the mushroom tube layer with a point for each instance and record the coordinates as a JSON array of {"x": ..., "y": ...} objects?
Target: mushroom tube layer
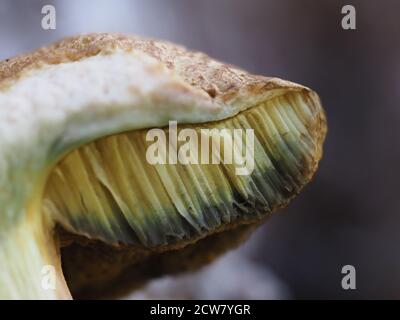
[
  {"x": 109, "y": 191},
  {"x": 89, "y": 189}
]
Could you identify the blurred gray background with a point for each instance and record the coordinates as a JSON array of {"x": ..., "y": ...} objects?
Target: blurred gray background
[{"x": 350, "y": 214}]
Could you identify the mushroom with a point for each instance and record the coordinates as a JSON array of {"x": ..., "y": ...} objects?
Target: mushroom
[{"x": 84, "y": 213}]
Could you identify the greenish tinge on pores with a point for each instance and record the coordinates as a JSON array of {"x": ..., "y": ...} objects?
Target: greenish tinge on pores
[{"x": 108, "y": 190}]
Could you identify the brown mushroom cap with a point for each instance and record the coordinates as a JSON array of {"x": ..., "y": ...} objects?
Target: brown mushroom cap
[{"x": 111, "y": 88}]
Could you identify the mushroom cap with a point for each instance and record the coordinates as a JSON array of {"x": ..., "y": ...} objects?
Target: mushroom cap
[{"x": 63, "y": 96}]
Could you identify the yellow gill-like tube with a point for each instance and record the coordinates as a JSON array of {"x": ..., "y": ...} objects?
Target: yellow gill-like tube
[{"x": 107, "y": 189}]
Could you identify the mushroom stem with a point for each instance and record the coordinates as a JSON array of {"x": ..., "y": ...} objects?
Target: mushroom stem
[{"x": 30, "y": 264}]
